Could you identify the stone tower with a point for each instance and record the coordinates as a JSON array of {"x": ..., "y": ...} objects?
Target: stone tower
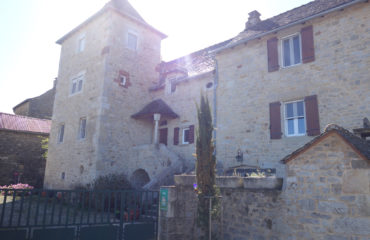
[{"x": 107, "y": 65}]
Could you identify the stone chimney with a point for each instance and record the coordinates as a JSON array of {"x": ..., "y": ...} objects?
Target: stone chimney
[{"x": 254, "y": 18}]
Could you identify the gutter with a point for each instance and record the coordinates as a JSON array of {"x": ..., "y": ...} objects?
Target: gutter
[{"x": 289, "y": 25}]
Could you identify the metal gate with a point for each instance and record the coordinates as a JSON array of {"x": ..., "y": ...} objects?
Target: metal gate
[{"x": 78, "y": 215}]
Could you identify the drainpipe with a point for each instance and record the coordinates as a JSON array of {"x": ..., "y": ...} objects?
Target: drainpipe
[{"x": 215, "y": 85}]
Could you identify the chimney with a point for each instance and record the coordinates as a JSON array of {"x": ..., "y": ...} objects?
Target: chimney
[{"x": 254, "y": 18}]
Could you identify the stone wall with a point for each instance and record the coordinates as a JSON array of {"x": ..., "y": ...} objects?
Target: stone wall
[
  {"x": 21, "y": 152},
  {"x": 326, "y": 195}
]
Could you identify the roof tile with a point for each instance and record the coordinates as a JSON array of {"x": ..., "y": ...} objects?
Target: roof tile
[{"x": 24, "y": 124}]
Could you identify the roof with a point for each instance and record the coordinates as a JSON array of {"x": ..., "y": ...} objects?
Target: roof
[
  {"x": 361, "y": 146},
  {"x": 24, "y": 124},
  {"x": 124, "y": 8},
  {"x": 196, "y": 63},
  {"x": 295, "y": 16},
  {"x": 156, "y": 106}
]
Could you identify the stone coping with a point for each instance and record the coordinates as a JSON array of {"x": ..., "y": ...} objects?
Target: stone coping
[{"x": 267, "y": 183}]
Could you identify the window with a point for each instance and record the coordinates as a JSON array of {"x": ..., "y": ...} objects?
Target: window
[
  {"x": 185, "y": 135},
  {"x": 132, "y": 41},
  {"x": 82, "y": 129},
  {"x": 81, "y": 44},
  {"x": 295, "y": 122},
  {"x": 77, "y": 84},
  {"x": 291, "y": 50},
  {"x": 122, "y": 80},
  {"x": 61, "y": 133}
]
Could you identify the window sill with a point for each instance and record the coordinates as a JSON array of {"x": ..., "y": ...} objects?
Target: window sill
[{"x": 290, "y": 66}]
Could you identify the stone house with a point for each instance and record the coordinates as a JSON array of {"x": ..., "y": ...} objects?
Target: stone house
[
  {"x": 273, "y": 87},
  {"x": 37, "y": 107},
  {"x": 21, "y": 150}
]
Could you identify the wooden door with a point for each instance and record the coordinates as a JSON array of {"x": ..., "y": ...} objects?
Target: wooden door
[{"x": 163, "y": 132}]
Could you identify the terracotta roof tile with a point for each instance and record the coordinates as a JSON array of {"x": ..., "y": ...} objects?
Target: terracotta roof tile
[
  {"x": 24, "y": 124},
  {"x": 361, "y": 145}
]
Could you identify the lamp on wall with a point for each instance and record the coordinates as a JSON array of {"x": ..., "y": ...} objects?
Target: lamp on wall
[{"x": 239, "y": 156}]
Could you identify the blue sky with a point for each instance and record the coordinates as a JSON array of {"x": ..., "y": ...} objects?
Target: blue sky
[{"x": 29, "y": 56}]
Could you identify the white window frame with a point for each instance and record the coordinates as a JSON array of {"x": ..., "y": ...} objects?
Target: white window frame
[
  {"x": 128, "y": 40},
  {"x": 295, "y": 134},
  {"x": 77, "y": 81},
  {"x": 183, "y": 135},
  {"x": 291, "y": 51},
  {"x": 61, "y": 132},
  {"x": 82, "y": 129},
  {"x": 81, "y": 41}
]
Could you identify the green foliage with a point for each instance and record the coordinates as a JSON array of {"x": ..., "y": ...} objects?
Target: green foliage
[
  {"x": 44, "y": 146},
  {"x": 205, "y": 167}
]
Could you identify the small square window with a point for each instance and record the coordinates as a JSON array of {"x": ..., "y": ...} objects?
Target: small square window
[
  {"x": 291, "y": 51},
  {"x": 132, "y": 41},
  {"x": 122, "y": 80},
  {"x": 185, "y": 135},
  {"x": 61, "y": 133},
  {"x": 82, "y": 129},
  {"x": 295, "y": 119}
]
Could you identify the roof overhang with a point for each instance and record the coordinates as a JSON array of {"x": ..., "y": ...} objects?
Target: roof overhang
[{"x": 155, "y": 107}]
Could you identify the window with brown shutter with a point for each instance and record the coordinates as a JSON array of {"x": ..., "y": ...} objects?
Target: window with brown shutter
[
  {"x": 308, "y": 50},
  {"x": 272, "y": 54},
  {"x": 312, "y": 115},
  {"x": 275, "y": 120},
  {"x": 176, "y": 132},
  {"x": 191, "y": 134}
]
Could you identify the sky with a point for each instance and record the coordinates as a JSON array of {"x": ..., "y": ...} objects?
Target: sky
[{"x": 29, "y": 56}]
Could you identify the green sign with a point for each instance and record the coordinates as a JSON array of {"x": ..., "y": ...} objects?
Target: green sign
[{"x": 164, "y": 199}]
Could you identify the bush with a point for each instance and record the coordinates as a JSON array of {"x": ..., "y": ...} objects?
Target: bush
[{"x": 108, "y": 182}]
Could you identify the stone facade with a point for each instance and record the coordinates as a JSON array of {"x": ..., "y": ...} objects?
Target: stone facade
[
  {"x": 326, "y": 195},
  {"x": 21, "y": 158},
  {"x": 37, "y": 107},
  {"x": 118, "y": 82}
]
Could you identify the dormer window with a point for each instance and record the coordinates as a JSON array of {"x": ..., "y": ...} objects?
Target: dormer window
[{"x": 132, "y": 41}]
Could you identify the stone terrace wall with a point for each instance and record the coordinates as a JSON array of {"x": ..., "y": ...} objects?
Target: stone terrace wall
[
  {"x": 326, "y": 195},
  {"x": 21, "y": 152}
]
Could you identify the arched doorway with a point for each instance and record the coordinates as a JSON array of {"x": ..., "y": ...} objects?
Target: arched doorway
[{"x": 139, "y": 178}]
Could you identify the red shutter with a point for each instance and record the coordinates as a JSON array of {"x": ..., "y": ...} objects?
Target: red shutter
[
  {"x": 272, "y": 54},
  {"x": 275, "y": 121},
  {"x": 191, "y": 134},
  {"x": 312, "y": 115},
  {"x": 308, "y": 49},
  {"x": 176, "y": 132}
]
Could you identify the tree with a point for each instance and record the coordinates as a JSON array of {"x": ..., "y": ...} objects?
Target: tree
[{"x": 205, "y": 167}]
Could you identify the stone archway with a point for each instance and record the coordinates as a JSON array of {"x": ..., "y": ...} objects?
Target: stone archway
[{"x": 139, "y": 178}]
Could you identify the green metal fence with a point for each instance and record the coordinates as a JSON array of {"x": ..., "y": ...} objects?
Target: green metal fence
[{"x": 78, "y": 214}]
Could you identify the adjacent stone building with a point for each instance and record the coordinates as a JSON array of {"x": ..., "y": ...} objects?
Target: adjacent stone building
[
  {"x": 273, "y": 87},
  {"x": 21, "y": 152},
  {"x": 37, "y": 107}
]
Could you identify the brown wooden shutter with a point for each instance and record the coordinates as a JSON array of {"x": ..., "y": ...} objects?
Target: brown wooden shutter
[
  {"x": 308, "y": 49},
  {"x": 312, "y": 115},
  {"x": 272, "y": 54},
  {"x": 191, "y": 134},
  {"x": 275, "y": 121},
  {"x": 176, "y": 132}
]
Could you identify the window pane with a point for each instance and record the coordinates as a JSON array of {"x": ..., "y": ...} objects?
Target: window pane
[
  {"x": 80, "y": 85},
  {"x": 83, "y": 128},
  {"x": 290, "y": 126},
  {"x": 289, "y": 110},
  {"x": 300, "y": 110},
  {"x": 186, "y": 136},
  {"x": 74, "y": 87},
  {"x": 61, "y": 133},
  {"x": 286, "y": 49},
  {"x": 297, "y": 51},
  {"x": 132, "y": 41},
  {"x": 301, "y": 126}
]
